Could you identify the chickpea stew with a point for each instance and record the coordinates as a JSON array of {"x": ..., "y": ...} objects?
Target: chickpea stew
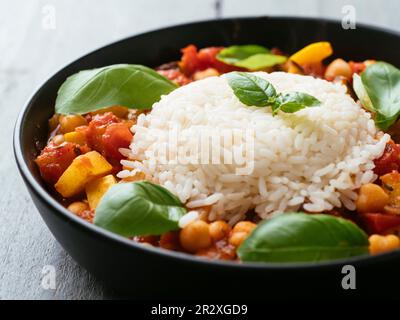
[{"x": 88, "y": 160}]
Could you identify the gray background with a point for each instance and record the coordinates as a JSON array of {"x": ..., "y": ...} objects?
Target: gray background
[{"x": 30, "y": 52}]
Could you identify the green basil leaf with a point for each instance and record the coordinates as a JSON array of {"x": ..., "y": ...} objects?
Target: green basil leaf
[
  {"x": 294, "y": 101},
  {"x": 250, "y": 89},
  {"x": 384, "y": 123},
  {"x": 381, "y": 81},
  {"x": 132, "y": 86},
  {"x": 299, "y": 237},
  {"x": 139, "y": 208},
  {"x": 261, "y": 61},
  {"x": 233, "y": 54},
  {"x": 362, "y": 93}
]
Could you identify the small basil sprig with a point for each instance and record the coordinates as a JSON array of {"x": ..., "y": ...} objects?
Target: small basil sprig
[
  {"x": 256, "y": 91},
  {"x": 139, "y": 208},
  {"x": 128, "y": 85},
  {"x": 251, "y": 57},
  {"x": 300, "y": 237},
  {"x": 378, "y": 89}
]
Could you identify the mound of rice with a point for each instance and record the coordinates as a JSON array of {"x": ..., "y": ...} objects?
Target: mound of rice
[{"x": 313, "y": 159}]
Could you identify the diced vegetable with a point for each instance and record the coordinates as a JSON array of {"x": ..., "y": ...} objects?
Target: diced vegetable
[
  {"x": 313, "y": 53},
  {"x": 389, "y": 161},
  {"x": 194, "y": 60},
  {"x": 68, "y": 123},
  {"x": 55, "y": 159},
  {"x": 371, "y": 198},
  {"x": 379, "y": 222},
  {"x": 82, "y": 170},
  {"x": 75, "y": 137},
  {"x": 116, "y": 136},
  {"x": 97, "y": 127},
  {"x": 96, "y": 189}
]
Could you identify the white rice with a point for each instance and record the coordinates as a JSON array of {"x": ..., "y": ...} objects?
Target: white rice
[{"x": 313, "y": 158}]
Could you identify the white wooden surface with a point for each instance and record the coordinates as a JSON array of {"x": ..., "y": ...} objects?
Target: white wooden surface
[{"x": 31, "y": 49}]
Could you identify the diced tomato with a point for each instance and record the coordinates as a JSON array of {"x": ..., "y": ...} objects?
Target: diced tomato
[
  {"x": 389, "y": 161},
  {"x": 54, "y": 160},
  {"x": 175, "y": 75},
  {"x": 189, "y": 62},
  {"x": 97, "y": 127},
  {"x": 170, "y": 241},
  {"x": 194, "y": 60},
  {"x": 314, "y": 69},
  {"x": 208, "y": 59},
  {"x": 379, "y": 222},
  {"x": 357, "y": 67},
  {"x": 116, "y": 136}
]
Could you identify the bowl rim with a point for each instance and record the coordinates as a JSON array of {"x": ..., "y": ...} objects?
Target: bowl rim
[{"x": 117, "y": 240}]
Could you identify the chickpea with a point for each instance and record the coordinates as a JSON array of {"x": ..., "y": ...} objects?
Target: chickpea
[
  {"x": 219, "y": 230},
  {"x": 237, "y": 238},
  {"x": 210, "y": 72},
  {"x": 58, "y": 139},
  {"x": 70, "y": 122},
  {"x": 195, "y": 236},
  {"x": 78, "y": 207},
  {"x": 338, "y": 68},
  {"x": 381, "y": 244},
  {"x": 371, "y": 198},
  {"x": 244, "y": 226}
]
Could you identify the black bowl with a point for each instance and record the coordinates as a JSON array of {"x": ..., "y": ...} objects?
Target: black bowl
[{"x": 142, "y": 271}]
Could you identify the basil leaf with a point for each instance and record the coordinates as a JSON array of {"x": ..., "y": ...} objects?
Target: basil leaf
[
  {"x": 250, "y": 89},
  {"x": 233, "y": 54},
  {"x": 362, "y": 93},
  {"x": 132, "y": 86},
  {"x": 139, "y": 208},
  {"x": 261, "y": 61},
  {"x": 384, "y": 123},
  {"x": 294, "y": 101},
  {"x": 299, "y": 237},
  {"x": 381, "y": 81}
]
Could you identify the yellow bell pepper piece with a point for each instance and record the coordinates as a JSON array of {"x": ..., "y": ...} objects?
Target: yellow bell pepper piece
[
  {"x": 96, "y": 189},
  {"x": 75, "y": 137},
  {"x": 82, "y": 170},
  {"x": 293, "y": 68},
  {"x": 313, "y": 53}
]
